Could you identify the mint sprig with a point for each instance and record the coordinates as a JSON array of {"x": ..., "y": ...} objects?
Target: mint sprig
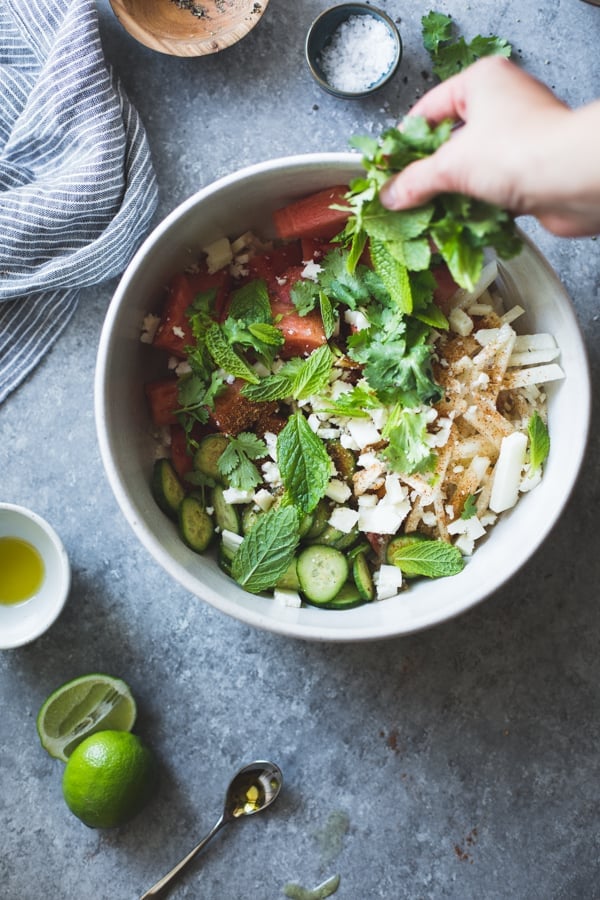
[
  {"x": 428, "y": 558},
  {"x": 267, "y": 550},
  {"x": 539, "y": 442},
  {"x": 304, "y": 464}
]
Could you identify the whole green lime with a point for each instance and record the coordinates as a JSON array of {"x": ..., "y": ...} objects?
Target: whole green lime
[{"x": 109, "y": 778}]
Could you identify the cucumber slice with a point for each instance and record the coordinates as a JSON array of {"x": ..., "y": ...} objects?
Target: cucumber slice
[
  {"x": 289, "y": 580},
  {"x": 343, "y": 460},
  {"x": 206, "y": 457},
  {"x": 320, "y": 515},
  {"x": 341, "y": 540},
  {"x": 166, "y": 488},
  {"x": 226, "y": 515},
  {"x": 363, "y": 578},
  {"x": 250, "y": 516},
  {"x": 321, "y": 572},
  {"x": 195, "y": 524},
  {"x": 346, "y": 598}
]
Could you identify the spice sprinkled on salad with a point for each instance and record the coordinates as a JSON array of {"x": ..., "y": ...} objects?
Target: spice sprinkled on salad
[{"x": 350, "y": 406}]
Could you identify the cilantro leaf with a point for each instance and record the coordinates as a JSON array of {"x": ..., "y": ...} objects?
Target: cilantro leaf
[
  {"x": 407, "y": 450},
  {"x": 451, "y": 53},
  {"x": 352, "y": 404},
  {"x": 469, "y": 508},
  {"x": 304, "y": 463},
  {"x": 304, "y": 295},
  {"x": 267, "y": 550},
  {"x": 235, "y": 463},
  {"x": 539, "y": 441}
]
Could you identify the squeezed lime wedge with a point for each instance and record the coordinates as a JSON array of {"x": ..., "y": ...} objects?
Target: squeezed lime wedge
[{"x": 81, "y": 707}]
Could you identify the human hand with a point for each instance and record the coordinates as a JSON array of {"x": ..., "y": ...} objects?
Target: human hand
[{"x": 519, "y": 147}]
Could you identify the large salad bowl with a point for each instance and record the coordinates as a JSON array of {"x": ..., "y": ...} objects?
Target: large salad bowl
[{"x": 229, "y": 207}]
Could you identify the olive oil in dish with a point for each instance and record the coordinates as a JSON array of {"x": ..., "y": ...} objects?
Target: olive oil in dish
[{"x": 21, "y": 570}]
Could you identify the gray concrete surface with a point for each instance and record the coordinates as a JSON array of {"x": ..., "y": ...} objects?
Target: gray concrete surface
[{"x": 461, "y": 762}]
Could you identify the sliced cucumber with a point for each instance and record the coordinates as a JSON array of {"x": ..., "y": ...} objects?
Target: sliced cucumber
[
  {"x": 166, "y": 487},
  {"x": 343, "y": 460},
  {"x": 289, "y": 580},
  {"x": 206, "y": 457},
  {"x": 363, "y": 579},
  {"x": 321, "y": 572},
  {"x": 226, "y": 514},
  {"x": 346, "y": 598},
  {"x": 333, "y": 537},
  {"x": 195, "y": 524},
  {"x": 250, "y": 516},
  {"x": 320, "y": 515}
]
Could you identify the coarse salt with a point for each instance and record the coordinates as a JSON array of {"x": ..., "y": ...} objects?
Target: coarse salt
[{"x": 361, "y": 52}]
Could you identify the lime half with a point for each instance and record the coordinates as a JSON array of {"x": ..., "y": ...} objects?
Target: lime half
[{"x": 82, "y": 707}]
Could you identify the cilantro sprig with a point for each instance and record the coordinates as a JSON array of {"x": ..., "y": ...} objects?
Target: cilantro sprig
[
  {"x": 449, "y": 52},
  {"x": 236, "y": 462},
  {"x": 460, "y": 228}
]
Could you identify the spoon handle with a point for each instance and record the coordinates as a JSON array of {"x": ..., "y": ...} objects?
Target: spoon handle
[{"x": 157, "y": 889}]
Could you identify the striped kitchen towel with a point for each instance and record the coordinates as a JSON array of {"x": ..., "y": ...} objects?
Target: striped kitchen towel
[{"x": 77, "y": 188}]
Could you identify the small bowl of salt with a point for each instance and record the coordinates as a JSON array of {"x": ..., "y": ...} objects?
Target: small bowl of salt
[{"x": 353, "y": 49}]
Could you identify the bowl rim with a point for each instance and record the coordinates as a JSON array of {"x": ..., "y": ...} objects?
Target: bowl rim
[
  {"x": 60, "y": 591},
  {"x": 261, "y": 620},
  {"x": 360, "y": 9}
]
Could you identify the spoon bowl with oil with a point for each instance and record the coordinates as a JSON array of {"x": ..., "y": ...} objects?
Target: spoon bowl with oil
[
  {"x": 35, "y": 576},
  {"x": 252, "y": 789}
]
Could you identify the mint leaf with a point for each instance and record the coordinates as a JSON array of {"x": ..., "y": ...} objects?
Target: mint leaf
[
  {"x": 393, "y": 274},
  {"x": 235, "y": 463},
  {"x": 430, "y": 558},
  {"x": 250, "y": 303},
  {"x": 539, "y": 442},
  {"x": 272, "y": 387},
  {"x": 304, "y": 463},
  {"x": 314, "y": 373},
  {"x": 469, "y": 508},
  {"x": 267, "y": 550},
  {"x": 327, "y": 314},
  {"x": 225, "y": 356}
]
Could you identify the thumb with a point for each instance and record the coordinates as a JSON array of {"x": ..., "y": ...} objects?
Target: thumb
[{"x": 417, "y": 184}]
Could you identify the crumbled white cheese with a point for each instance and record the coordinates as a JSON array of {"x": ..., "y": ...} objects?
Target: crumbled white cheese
[
  {"x": 218, "y": 254},
  {"x": 231, "y": 540},
  {"x": 356, "y": 319},
  {"x": 344, "y": 519},
  {"x": 363, "y": 432},
  {"x": 287, "y": 597},
  {"x": 271, "y": 473},
  {"x": 264, "y": 499},
  {"x": 338, "y": 491},
  {"x": 235, "y": 495},
  {"x": 388, "y": 580},
  {"x": 178, "y": 331},
  {"x": 149, "y": 326},
  {"x": 311, "y": 270}
]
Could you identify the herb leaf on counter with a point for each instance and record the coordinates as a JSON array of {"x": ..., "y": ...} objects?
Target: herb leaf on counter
[{"x": 450, "y": 53}]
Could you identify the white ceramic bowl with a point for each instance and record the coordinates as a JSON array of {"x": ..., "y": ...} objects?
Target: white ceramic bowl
[
  {"x": 21, "y": 623},
  {"x": 243, "y": 201}
]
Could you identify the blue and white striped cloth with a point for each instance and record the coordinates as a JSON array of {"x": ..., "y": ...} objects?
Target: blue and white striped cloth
[{"x": 77, "y": 188}]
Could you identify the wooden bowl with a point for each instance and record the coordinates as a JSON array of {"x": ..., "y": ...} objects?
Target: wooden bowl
[{"x": 188, "y": 27}]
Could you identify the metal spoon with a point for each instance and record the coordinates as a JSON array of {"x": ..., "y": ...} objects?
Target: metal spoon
[{"x": 251, "y": 790}]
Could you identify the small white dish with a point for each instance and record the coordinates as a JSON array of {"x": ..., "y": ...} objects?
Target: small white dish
[{"x": 23, "y": 622}]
